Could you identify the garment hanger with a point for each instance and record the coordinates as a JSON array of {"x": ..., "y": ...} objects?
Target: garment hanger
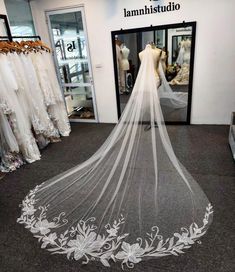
[
  {"x": 35, "y": 46},
  {"x": 43, "y": 46},
  {"x": 23, "y": 46},
  {"x": 7, "y": 47},
  {"x": 28, "y": 46},
  {"x": 16, "y": 46},
  {"x": 3, "y": 50}
]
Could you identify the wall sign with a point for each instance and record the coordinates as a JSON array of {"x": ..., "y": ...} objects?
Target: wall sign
[
  {"x": 71, "y": 46},
  {"x": 151, "y": 9}
]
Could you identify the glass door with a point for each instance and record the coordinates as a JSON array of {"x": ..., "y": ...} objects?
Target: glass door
[{"x": 71, "y": 53}]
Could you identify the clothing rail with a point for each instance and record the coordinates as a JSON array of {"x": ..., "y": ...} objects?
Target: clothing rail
[{"x": 10, "y": 38}]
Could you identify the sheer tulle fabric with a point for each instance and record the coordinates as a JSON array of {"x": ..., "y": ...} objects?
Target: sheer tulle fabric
[
  {"x": 169, "y": 98},
  {"x": 130, "y": 201}
]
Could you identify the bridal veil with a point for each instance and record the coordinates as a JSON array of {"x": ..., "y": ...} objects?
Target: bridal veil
[{"x": 130, "y": 201}]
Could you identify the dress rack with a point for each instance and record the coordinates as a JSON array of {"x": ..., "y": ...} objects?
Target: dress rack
[{"x": 11, "y": 38}]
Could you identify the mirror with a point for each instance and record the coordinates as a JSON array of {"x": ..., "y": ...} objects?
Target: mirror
[{"x": 177, "y": 43}]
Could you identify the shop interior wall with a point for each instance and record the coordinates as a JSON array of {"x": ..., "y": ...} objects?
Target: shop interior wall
[
  {"x": 214, "y": 81},
  {"x": 2, "y": 7}
]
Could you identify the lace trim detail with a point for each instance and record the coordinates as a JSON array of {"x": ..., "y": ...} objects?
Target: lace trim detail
[{"x": 82, "y": 241}]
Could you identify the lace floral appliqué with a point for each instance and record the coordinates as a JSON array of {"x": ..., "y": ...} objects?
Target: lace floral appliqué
[{"x": 82, "y": 241}]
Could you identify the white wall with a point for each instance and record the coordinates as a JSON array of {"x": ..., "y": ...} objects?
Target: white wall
[
  {"x": 2, "y": 11},
  {"x": 214, "y": 80},
  {"x": 2, "y": 7}
]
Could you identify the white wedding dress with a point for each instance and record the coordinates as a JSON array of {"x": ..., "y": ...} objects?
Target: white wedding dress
[
  {"x": 30, "y": 99},
  {"x": 183, "y": 59},
  {"x": 51, "y": 91},
  {"x": 30, "y": 95},
  {"x": 10, "y": 105},
  {"x": 132, "y": 200},
  {"x": 10, "y": 160}
]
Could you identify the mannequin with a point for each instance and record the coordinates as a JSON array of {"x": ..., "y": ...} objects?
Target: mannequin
[
  {"x": 156, "y": 53},
  {"x": 121, "y": 75},
  {"x": 163, "y": 60},
  {"x": 125, "y": 66},
  {"x": 125, "y": 53},
  {"x": 165, "y": 92}
]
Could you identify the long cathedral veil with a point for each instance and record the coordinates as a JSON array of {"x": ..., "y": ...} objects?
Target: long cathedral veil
[
  {"x": 131, "y": 200},
  {"x": 169, "y": 98}
]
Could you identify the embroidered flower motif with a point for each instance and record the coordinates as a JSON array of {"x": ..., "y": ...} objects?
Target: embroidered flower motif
[
  {"x": 43, "y": 227},
  {"x": 88, "y": 244},
  {"x": 83, "y": 245},
  {"x": 184, "y": 238},
  {"x": 112, "y": 232},
  {"x": 29, "y": 210},
  {"x": 50, "y": 239},
  {"x": 130, "y": 253}
]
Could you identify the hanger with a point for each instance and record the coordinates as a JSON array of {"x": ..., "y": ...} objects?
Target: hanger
[
  {"x": 43, "y": 46},
  {"x": 7, "y": 47},
  {"x": 23, "y": 46}
]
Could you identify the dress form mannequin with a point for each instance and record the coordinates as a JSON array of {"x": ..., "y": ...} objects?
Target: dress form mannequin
[
  {"x": 165, "y": 92},
  {"x": 125, "y": 53},
  {"x": 163, "y": 60},
  {"x": 121, "y": 75},
  {"x": 125, "y": 66},
  {"x": 156, "y": 53}
]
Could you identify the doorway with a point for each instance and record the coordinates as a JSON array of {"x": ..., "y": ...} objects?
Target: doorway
[{"x": 69, "y": 41}]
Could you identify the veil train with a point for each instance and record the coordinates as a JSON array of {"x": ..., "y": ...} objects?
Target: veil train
[{"x": 132, "y": 200}]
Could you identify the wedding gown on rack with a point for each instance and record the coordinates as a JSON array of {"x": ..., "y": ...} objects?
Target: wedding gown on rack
[
  {"x": 9, "y": 149},
  {"x": 132, "y": 200},
  {"x": 10, "y": 105},
  {"x": 32, "y": 93},
  {"x": 51, "y": 91}
]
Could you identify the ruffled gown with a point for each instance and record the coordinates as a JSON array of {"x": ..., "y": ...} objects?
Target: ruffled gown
[
  {"x": 10, "y": 158},
  {"x": 10, "y": 104},
  {"x": 52, "y": 95}
]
